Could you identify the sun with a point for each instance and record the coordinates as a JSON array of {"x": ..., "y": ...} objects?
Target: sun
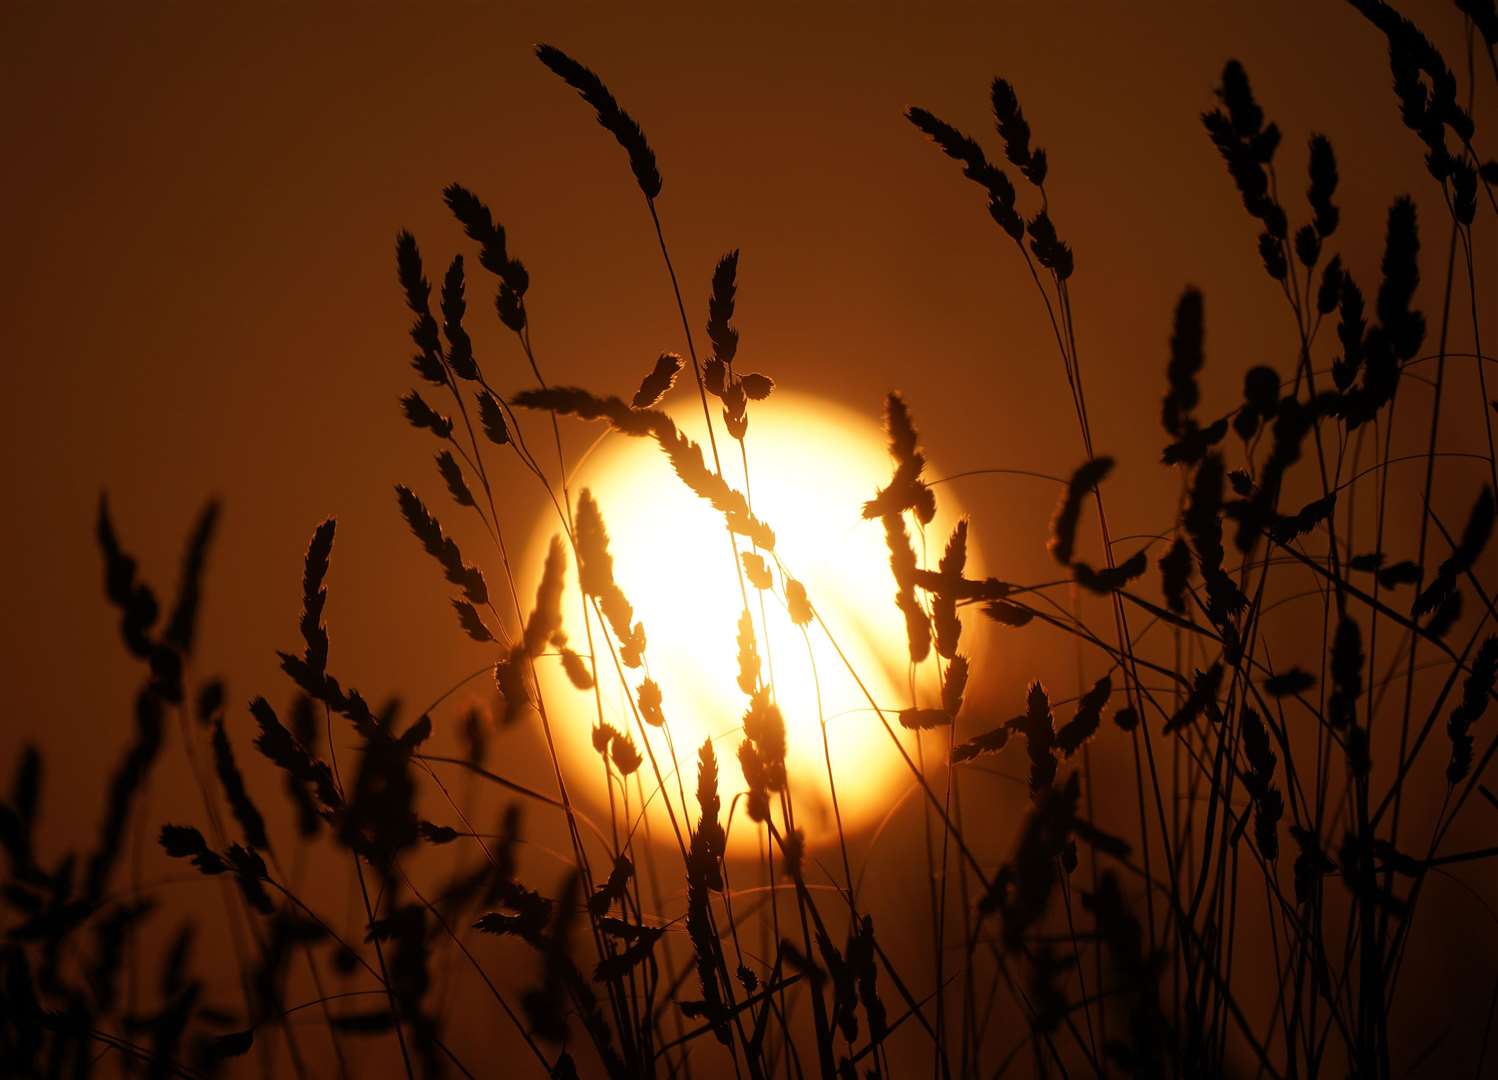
[{"x": 811, "y": 464}]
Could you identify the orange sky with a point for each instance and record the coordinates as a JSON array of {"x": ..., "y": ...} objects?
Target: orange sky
[
  {"x": 200, "y": 207},
  {"x": 201, "y": 299}
]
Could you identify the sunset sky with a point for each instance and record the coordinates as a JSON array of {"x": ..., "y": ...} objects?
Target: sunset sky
[
  {"x": 201, "y": 201},
  {"x": 202, "y": 301}
]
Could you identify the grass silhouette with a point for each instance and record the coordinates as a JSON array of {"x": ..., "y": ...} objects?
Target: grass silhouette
[{"x": 1262, "y": 774}]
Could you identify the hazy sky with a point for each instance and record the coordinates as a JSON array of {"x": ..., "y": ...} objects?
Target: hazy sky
[{"x": 200, "y": 201}]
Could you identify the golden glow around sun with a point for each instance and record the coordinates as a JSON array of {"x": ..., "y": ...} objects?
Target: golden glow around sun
[{"x": 811, "y": 466}]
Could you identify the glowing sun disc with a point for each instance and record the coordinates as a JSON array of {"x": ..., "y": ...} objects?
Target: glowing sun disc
[{"x": 811, "y": 466}]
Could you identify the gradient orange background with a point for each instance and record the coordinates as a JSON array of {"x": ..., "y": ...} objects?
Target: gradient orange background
[{"x": 200, "y": 205}]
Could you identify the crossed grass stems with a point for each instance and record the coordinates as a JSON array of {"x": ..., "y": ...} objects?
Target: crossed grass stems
[{"x": 1152, "y": 995}]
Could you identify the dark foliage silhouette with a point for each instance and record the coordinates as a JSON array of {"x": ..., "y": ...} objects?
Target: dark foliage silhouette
[{"x": 1108, "y": 945}]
